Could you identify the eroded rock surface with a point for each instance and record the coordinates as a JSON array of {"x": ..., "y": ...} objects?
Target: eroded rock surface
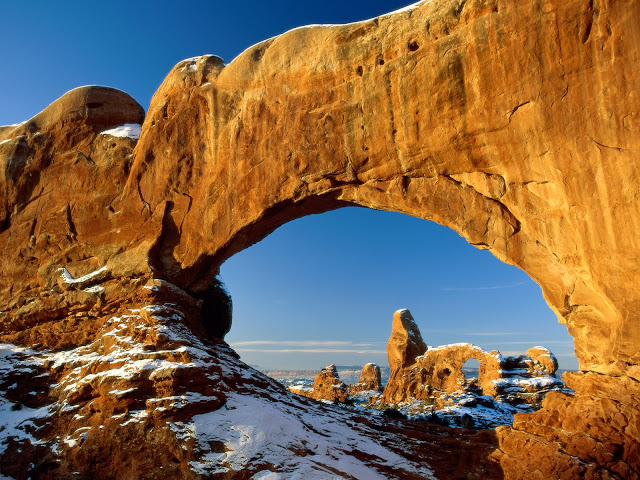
[
  {"x": 327, "y": 385},
  {"x": 370, "y": 380},
  {"x": 405, "y": 342},
  {"x": 437, "y": 371},
  {"x": 543, "y": 361},
  {"x": 514, "y": 123}
]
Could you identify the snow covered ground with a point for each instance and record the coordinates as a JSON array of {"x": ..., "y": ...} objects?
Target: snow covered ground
[
  {"x": 304, "y": 443},
  {"x": 131, "y": 130},
  {"x": 249, "y": 423}
]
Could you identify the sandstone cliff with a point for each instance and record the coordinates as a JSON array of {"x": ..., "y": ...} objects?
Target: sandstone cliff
[{"x": 514, "y": 123}]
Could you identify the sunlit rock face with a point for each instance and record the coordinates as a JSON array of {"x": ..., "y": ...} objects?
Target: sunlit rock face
[
  {"x": 370, "y": 380},
  {"x": 328, "y": 386},
  {"x": 438, "y": 371},
  {"x": 405, "y": 342},
  {"x": 513, "y": 123}
]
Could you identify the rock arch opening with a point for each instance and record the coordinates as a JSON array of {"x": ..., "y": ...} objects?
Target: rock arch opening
[
  {"x": 471, "y": 368},
  {"x": 321, "y": 290}
]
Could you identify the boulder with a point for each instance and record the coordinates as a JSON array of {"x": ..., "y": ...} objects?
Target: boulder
[
  {"x": 370, "y": 380},
  {"x": 328, "y": 386}
]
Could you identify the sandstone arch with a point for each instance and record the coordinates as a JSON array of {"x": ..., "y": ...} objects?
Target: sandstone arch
[
  {"x": 497, "y": 143},
  {"x": 513, "y": 123},
  {"x": 440, "y": 368}
]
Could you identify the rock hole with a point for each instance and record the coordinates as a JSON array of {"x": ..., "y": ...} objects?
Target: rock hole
[
  {"x": 381, "y": 61},
  {"x": 359, "y": 70},
  {"x": 257, "y": 54},
  {"x": 413, "y": 46},
  {"x": 94, "y": 104},
  {"x": 471, "y": 368},
  {"x": 322, "y": 289}
]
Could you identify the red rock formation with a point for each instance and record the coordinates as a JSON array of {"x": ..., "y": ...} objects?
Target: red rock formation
[
  {"x": 514, "y": 123},
  {"x": 439, "y": 370},
  {"x": 328, "y": 386},
  {"x": 544, "y": 362},
  {"x": 405, "y": 342},
  {"x": 574, "y": 445},
  {"x": 370, "y": 380}
]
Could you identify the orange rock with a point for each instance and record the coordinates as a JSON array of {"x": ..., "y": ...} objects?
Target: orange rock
[
  {"x": 544, "y": 361},
  {"x": 439, "y": 370},
  {"x": 405, "y": 342},
  {"x": 328, "y": 386},
  {"x": 370, "y": 379},
  {"x": 513, "y": 123}
]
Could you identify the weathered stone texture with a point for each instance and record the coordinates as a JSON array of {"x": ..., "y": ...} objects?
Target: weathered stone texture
[
  {"x": 328, "y": 386},
  {"x": 438, "y": 370},
  {"x": 514, "y": 123},
  {"x": 370, "y": 380},
  {"x": 405, "y": 342}
]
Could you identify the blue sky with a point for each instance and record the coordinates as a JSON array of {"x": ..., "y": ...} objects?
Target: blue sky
[{"x": 321, "y": 289}]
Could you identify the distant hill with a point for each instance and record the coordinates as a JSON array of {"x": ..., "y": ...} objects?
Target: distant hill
[{"x": 348, "y": 374}]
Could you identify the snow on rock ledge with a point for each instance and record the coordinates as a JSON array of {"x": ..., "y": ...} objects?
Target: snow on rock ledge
[{"x": 131, "y": 130}]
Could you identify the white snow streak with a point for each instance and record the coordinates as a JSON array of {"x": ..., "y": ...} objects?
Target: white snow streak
[{"x": 131, "y": 130}]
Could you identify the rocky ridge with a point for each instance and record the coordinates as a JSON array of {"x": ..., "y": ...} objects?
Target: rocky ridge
[{"x": 513, "y": 123}]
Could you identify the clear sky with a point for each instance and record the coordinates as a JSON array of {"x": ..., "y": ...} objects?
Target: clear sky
[{"x": 321, "y": 289}]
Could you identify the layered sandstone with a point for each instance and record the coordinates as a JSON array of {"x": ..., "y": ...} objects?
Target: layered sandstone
[{"x": 513, "y": 123}]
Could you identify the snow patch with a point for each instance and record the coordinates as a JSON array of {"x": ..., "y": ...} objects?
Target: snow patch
[
  {"x": 131, "y": 130},
  {"x": 69, "y": 280},
  {"x": 255, "y": 430},
  {"x": 12, "y": 139},
  {"x": 94, "y": 289}
]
